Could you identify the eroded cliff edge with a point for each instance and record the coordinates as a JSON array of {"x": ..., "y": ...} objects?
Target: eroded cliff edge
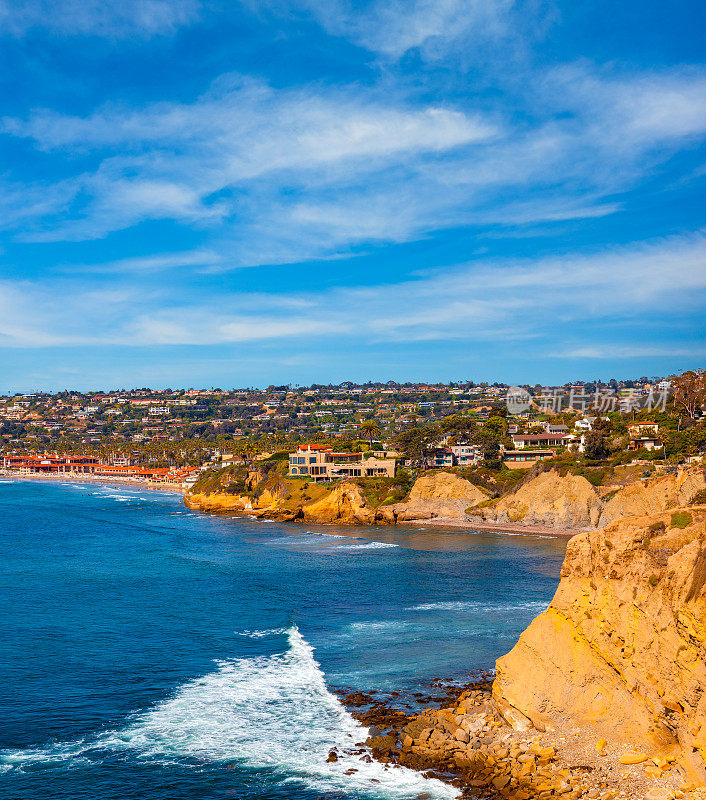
[
  {"x": 563, "y": 502},
  {"x": 621, "y": 650}
]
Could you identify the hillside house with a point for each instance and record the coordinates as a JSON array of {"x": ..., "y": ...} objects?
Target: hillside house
[{"x": 320, "y": 463}]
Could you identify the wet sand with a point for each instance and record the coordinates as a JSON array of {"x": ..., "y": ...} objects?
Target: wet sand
[{"x": 499, "y": 527}]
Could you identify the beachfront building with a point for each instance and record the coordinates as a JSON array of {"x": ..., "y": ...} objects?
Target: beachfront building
[
  {"x": 320, "y": 463},
  {"x": 50, "y": 464}
]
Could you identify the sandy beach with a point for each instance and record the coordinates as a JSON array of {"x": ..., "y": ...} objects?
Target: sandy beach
[
  {"x": 499, "y": 527},
  {"x": 92, "y": 479}
]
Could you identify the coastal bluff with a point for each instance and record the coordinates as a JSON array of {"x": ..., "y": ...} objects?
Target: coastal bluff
[
  {"x": 570, "y": 502},
  {"x": 621, "y": 651},
  {"x": 564, "y": 502},
  {"x": 272, "y": 496}
]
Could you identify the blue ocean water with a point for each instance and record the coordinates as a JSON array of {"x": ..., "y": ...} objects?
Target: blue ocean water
[{"x": 148, "y": 651}]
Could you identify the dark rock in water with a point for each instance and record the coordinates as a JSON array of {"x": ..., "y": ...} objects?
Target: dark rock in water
[
  {"x": 332, "y": 756},
  {"x": 357, "y": 699}
]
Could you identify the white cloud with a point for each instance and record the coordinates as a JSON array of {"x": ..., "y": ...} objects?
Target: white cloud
[
  {"x": 108, "y": 18},
  {"x": 170, "y": 160},
  {"x": 636, "y": 350},
  {"x": 285, "y": 175},
  {"x": 203, "y": 258},
  {"x": 433, "y": 28},
  {"x": 485, "y": 300}
]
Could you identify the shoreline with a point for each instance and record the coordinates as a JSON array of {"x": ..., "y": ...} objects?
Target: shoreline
[
  {"x": 515, "y": 529},
  {"x": 441, "y": 522},
  {"x": 500, "y": 527},
  {"x": 468, "y": 740},
  {"x": 92, "y": 479}
]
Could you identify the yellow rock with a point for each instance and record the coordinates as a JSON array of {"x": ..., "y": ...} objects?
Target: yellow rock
[
  {"x": 609, "y": 645},
  {"x": 659, "y": 793},
  {"x": 545, "y": 752},
  {"x": 633, "y": 758}
]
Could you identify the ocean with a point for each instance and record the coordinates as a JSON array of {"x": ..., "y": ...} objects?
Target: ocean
[{"x": 149, "y": 651}]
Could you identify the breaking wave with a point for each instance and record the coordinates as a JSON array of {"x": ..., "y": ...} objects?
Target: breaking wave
[
  {"x": 271, "y": 713},
  {"x": 481, "y": 606}
]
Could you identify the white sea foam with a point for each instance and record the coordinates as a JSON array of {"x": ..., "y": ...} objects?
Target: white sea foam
[
  {"x": 263, "y": 634},
  {"x": 480, "y": 606},
  {"x": 383, "y": 626},
  {"x": 368, "y": 546},
  {"x": 273, "y": 713}
]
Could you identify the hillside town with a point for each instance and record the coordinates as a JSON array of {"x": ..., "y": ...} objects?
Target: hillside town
[{"x": 166, "y": 438}]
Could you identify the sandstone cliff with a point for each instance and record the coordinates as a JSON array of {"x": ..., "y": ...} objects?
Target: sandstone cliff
[
  {"x": 443, "y": 495},
  {"x": 571, "y": 502},
  {"x": 549, "y": 499},
  {"x": 344, "y": 503},
  {"x": 621, "y": 650},
  {"x": 652, "y": 496}
]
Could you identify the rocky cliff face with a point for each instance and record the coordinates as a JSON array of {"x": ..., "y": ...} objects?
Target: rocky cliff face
[
  {"x": 622, "y": 647},
  {"x": 549, "y": 499},
  {"x": 650, "y": 497},
  {"x": 344, "y": 504},
  {"x": 571, "y": 502},
  {"x": 443, "y": 495}
]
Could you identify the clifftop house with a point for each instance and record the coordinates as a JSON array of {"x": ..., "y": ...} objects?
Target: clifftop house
[{"x": 321, "y": 463}]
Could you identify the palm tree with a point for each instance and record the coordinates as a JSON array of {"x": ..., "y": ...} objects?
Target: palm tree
[{"x": 369, "y": 428}]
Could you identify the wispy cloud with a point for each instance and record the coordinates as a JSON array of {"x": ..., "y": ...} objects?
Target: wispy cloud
[
  {"x": 477, "y": 302},
  {"x": 241, "y": 147},
  {"x": 283, "y": 175},
  {"x": 630, "y": 350},
  {"x": 432, "y": 28},
  {"x": 108, "y": 18}
]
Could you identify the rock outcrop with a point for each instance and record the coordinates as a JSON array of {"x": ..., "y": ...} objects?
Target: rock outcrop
[
  {"x": 549, "y": 499},
  {"x": 652, "y": 496},
  {"x": 621, "y": 650},
  {"x": 443, "y": 495},
  {"x": 571, "y": 502},
  {"x": 215, "y": 502},
  {"x": 344, "y": 504}
]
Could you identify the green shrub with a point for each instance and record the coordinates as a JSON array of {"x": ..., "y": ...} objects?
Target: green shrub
[{"x": 681, "y": 519}]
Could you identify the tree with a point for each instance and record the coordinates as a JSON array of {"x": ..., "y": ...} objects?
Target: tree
[
  {"x": 489, "y": 441},
  {"x": 595, "y": 445},
  {"x": 497, "y": 425},
  {"x": 415, "y": 442},
  {"x": 369, "y": 428},
  {"x": 461, "y": 427},
  {"x": 689, "y": 391}
]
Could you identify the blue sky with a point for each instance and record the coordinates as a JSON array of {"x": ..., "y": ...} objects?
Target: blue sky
[{"x": 212, "y": 192}]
